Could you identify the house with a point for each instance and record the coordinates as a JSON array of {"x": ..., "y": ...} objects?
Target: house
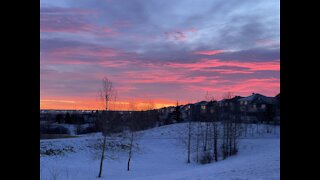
[
  {"x": 229, "y": 109},
  {"x": 257, "y": 107},
  {"x": 165, "y": 115},
  {"x": 277, "y": 109},
  {"x": 256, "y": 102},
  {"x": 232, "y": 103},
  {"x": 211, "y": 107},
  {"x": 186, "y": 111}
]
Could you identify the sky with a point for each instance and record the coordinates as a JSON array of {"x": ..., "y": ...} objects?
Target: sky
[{"x": 157, "y": 51}]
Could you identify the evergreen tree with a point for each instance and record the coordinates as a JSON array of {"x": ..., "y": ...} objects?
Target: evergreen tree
[
  {"x": 177, "y": 114},
  {"x": 68, "y": 118},
  {"x": 59, "y": 118}
]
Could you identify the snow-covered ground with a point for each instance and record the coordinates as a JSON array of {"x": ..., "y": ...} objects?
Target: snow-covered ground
[{"x": 160, "y": 157}]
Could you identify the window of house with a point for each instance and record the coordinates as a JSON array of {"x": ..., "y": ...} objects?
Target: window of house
[
  {"x": 203, "y": 107},
  {"x": 263, "y": 106}
]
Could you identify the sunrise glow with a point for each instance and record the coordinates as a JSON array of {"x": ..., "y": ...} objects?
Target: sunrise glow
[{"x": 157, "y": 56}]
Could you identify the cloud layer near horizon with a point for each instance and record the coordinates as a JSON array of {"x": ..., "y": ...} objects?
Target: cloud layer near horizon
[{"x": 157, "y": 50}]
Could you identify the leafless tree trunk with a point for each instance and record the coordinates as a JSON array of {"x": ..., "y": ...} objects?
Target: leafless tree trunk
[
  {"x": 257, "y": 128},
  {"x": 130, "y": 150},
  {"x": 102, "y": 155},
  {"x": 235, "y": 136},
  {"x": 134, "y": 126},
  {"x": 245, "y": 129},
  {"x": 228, "y": 137},
  {"x": 251, "y": 127},
  {"x": 224, "y": 140},
  {"x": 107, "y": 94},
  {"x": 198, "y": 139},
  {"x": 189, "y": 140},
  {"x": 215, "y": 141},
  {"x": 206, "y": 137}
]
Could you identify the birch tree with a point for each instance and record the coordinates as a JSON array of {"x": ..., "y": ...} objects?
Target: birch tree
[
  {"x": 134, "y": 125},
  {"x": 107, "y": 96}
]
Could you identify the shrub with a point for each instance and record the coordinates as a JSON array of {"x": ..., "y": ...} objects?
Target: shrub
[{"x": 206, "y": 158}]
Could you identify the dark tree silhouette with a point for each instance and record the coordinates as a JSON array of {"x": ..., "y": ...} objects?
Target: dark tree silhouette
[
  {"x": 107, "y": 94},
  {"x": 177, "y": 114}
]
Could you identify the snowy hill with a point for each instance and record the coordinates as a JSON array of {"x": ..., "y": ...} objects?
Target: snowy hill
[{"x": 160, "y": 156}]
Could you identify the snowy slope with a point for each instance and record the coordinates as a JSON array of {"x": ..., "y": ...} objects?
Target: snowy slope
[{"x": 161, "y": 156}]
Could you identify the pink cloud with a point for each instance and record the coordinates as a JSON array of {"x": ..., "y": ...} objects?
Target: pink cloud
[
  {"x": 193, "y": 30},
  {"x": 207, "y": 63},
  {"x": 231, "y": 71},
  {"x": 129, "y": 80},
  {"x": 83, "y": 55},
  {"x": 267, "y": 42},
  {"x": 266, "y": 86},
  {"x": 117, "y": 63},
  {"x": 158, "y": 75},
  {"x": 105, "y": 31},
  {"x": 209, "y": 52}
]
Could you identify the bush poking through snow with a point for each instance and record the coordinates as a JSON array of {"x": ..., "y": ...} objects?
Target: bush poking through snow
[
  {"x": 54, "y": 152},
  {"x": 206, "y": 158}
]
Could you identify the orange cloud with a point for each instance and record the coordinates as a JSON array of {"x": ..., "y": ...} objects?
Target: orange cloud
[{"x": 96, "y": 104}]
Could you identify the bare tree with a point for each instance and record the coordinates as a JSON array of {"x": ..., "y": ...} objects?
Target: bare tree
[
  {"x": 206, "y": 118},
  {"x": 130, "y": 150},
  {"x": 134, "y": 125},
  {"x": 198, "y": 139},
  {"x": 215, "y": 141},
  {"x": 215, "y": 120},
  {"x": 107, "y": 95},
  {"x": 205, "y": 142},
  {"x": 189, "y": 140},
  {"x": 228, "y": 95},
  {"x": 224, "y": 140},
  {"x": 209, "y": 97},
  {"x": 231, "y": 126},
  {"x": 150, "y": 105}
]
